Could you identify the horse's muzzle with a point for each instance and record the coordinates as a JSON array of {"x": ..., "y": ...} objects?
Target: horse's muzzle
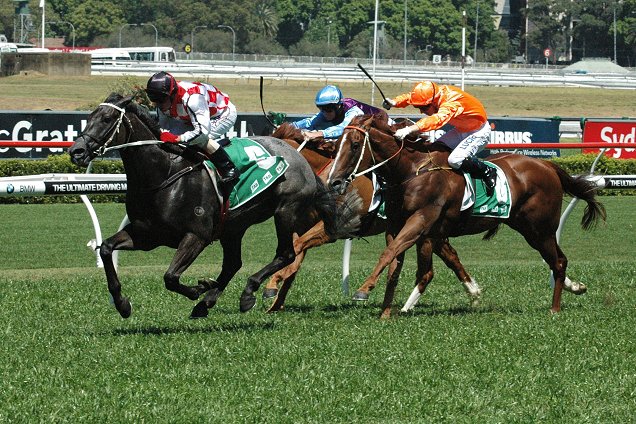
[
  {"x": 79, "y": 152},
  {"x": 339, "y": 186}
]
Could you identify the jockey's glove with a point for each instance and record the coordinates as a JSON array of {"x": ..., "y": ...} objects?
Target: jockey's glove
[
  {"x": 388, "y": 103},
  {"x": 168, "y": 137},
  {"x": 403, "y": 132}
]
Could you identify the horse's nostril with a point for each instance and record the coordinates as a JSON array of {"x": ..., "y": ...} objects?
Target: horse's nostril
[{"x": 339, "y": 186}]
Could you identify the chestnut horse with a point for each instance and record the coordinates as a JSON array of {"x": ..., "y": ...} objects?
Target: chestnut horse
[
  {"x": 371, "y": 224},
  {"x": 425, "y": 196}
]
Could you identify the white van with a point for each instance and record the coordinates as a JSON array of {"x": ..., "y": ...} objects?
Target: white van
[
  {"x": 151, "y": 54},
  {"x": 8, "y": 47},
  {"x": 109, "y": 56}
]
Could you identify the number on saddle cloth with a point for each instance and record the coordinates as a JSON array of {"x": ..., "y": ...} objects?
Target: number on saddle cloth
[
  {"x": 259, "y": 169},
  {"x": 496, "y": 206}
]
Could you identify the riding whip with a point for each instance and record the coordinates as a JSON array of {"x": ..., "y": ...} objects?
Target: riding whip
[
  {"x": 372, "y": 80},
  {"x": 263, "y": 108}
]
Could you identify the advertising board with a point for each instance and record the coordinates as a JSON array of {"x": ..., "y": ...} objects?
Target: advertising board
[
  {"x": 611, "y": 131},
  {"x": 66, "y": 126},
  {"x": 517, "y": 130}
]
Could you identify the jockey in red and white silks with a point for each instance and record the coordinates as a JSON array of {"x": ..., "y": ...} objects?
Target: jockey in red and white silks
[
  {"x": 199, "y": 114},
  {"x": 194, "y": 113}
]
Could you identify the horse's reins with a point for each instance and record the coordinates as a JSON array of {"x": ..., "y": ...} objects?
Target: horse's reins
[
  {"x": 354, "y": 174},
  {"x": 170, "y": 180}
]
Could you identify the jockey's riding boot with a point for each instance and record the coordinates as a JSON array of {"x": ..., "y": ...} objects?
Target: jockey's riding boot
[
  {"x": 478, "y": 169},
  {"x": 225, "y": 167}
]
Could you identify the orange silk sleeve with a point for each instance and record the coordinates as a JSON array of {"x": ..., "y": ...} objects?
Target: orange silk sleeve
[
  {"x": 445, "y": 113},
  {"x": 403, "y": 100}
]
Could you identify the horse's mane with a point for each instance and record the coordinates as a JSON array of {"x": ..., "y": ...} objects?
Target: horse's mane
[
  {"x": 287, "y": 131},
  {"x": 142, "y": 112},
  {"x": 380, "y": 122}
]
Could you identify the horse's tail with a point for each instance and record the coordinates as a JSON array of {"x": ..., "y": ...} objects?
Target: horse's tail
[
  {"x": 585, "y": 190},
  {"x": 341, "y": 214}
]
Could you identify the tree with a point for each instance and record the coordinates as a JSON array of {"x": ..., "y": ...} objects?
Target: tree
[
  {"x": 95, "y": 17},
  {"x": 547, "y": 30},
  {"x": 266, "y": 18}
]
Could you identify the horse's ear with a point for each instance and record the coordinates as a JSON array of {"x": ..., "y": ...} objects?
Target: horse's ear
[
  {"x": 112, "y": 97},
  {"x": 381, "y": 119},
  {"x": 125, "y": 101}
]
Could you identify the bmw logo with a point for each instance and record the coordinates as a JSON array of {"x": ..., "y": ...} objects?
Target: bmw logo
[{"x": 10, "y": 188}]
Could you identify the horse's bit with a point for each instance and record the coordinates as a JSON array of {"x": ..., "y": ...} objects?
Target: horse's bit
[{"x": 367, "y": 142}]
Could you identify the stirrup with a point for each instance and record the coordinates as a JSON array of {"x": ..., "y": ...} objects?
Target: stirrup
[{"x": 231, "y": 176}]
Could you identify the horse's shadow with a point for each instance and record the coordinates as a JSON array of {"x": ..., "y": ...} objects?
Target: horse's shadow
[{"x": 214, "y": 328}]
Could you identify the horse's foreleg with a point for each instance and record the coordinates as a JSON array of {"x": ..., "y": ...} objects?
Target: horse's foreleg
[
  {"x": 406, "y": 238},
  {"x": 424, "y": 273},
  {"x": 232, "y": 262},
  {"x": 189, "y": 249},
  {"x": 316, "y": 236},
  {"x": 271, "y": 289},
  {"x": 119, "y": 241},
  {"x": 289, "y": 273},
  {"x": 393, "y": 276},
  {"x": 448, "y": 254},
  {"x": 248, "y": 300}
]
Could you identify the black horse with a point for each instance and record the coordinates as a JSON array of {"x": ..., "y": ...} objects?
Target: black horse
[{"x": 171, "y": 201}]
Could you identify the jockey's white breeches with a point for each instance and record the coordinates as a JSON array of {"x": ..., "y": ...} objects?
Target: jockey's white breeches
[{"x": 465, "y": 144}]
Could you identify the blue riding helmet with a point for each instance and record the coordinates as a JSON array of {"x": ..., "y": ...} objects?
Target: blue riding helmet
[{"x": 329, "y": 95}]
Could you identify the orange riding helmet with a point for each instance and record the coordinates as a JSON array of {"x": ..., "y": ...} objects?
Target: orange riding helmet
[{"x": 423, "y": 93}]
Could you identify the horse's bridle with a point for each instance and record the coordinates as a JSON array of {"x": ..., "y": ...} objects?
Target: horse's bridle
[
  {"x": 366, "y": 142},
  {"x": 113, "y": 131}
]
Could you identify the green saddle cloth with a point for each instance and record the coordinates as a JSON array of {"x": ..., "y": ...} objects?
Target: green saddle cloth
[
  {"x": 497, "y": 205},
  {"x": 259, "y": 169}
]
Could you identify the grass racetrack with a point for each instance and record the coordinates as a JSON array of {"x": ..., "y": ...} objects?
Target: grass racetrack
[{"x": 67, "y": 356}]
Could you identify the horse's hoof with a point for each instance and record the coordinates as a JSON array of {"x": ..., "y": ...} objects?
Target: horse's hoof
[
  {"x": 573, "y": 287},
  {"x": 360, "y": 296},
  {"x": 247, "y": 302},
  {"x": 199, "y": 311},
  {"x": 269, "y": 293},
  {"x": 125, "y": 308},
  {"x": 276, "y": 307}
]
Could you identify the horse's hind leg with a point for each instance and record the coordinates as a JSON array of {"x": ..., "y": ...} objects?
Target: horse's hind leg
[
  {"x": 119, "y": 241},
  {"x": 189, "y": 249},
  {"x": 448, "y": 255},
  {"x": 556, "y": 260},
  {"x": 232, "y": 262},
  {"x": 284, "y": 256}
]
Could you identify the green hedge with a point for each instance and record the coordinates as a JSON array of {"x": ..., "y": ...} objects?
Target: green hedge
[
  {"x": 581, "y": 164},
  {"x": 61, "y": 164}
]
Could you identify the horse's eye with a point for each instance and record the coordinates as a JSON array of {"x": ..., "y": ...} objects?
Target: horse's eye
[{"x": 355, "y": 146}]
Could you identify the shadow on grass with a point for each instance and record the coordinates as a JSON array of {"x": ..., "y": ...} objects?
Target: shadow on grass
[{"x": 215, "y": 328}]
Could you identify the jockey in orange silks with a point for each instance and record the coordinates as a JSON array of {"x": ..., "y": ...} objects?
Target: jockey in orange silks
[{"x": 447, "y": 104}]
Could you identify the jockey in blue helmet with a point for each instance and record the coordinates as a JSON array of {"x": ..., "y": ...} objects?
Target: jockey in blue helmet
[{"x": 335, "y": 113}]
